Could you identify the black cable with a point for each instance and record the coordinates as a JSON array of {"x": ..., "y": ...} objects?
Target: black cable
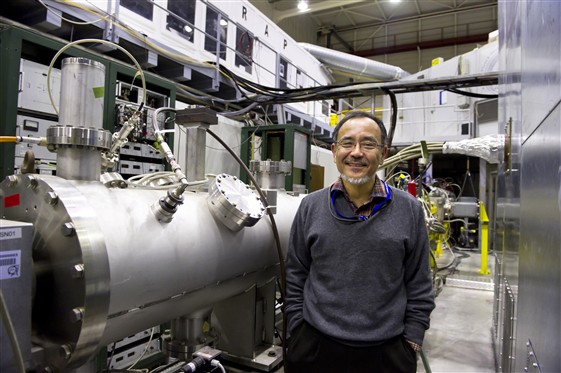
[
  {"x": 239, "y": 112},
  {"x": 470, "y": 94},
  {"x": 111, "y": 357},
  {"x": 236, "y": 80},
  {"x": 270, "y": 95},
  {"x": 435, "y": 266},
  {"x": 193, "y": 365},
  {"x": 289, "y": 91},
  {"x": 264, "y": 200},
  {"x": 394, "y": 117},
  {"x": 205, "y": 98},
  {"x": 467, "y": 176},
  {"x": 424, "y": 171},
  {"x": 273, "y": 226},
  {"x": 279, "y": 334},
  {"x": 275, "y": 94}
]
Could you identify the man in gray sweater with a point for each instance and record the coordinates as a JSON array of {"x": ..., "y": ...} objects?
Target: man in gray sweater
[{"x": 358, "y": 283}]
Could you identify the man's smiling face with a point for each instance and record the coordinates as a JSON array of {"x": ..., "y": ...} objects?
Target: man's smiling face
[{"x": 356, "y": 159}]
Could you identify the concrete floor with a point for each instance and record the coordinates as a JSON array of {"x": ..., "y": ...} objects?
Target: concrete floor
[{"x": 459, "y": 339}]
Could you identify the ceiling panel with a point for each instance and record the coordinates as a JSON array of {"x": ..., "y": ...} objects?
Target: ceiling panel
[{"x": 348, "y": 25}]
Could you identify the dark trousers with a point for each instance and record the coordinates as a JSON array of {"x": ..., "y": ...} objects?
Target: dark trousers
[{"x": 310, "y": 351}]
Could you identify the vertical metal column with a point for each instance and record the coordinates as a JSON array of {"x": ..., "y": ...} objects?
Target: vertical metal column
[{"x": 79, "y": 137}]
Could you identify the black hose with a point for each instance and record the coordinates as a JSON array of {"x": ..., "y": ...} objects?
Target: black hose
[
  {"x": 111, "y": 357},
  {"x": 273, "y": 226},
  {"x": 435, "y": 266},
  {"x": 394, "y": 117},
  {"x": 265, "y": 203},
  {"x": 193, "y": 365},
  {"x": 471, "y": 94}
]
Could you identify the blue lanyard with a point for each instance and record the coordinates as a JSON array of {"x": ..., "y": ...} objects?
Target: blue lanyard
[{"x": 375, "y": 209}]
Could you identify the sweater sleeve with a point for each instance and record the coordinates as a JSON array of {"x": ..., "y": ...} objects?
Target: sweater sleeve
[
  {"x": 418, "y": 282},
  {"x": 297, "y": 270}
]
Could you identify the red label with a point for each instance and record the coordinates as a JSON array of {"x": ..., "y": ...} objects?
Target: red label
[
  {"x": 11, "y": 201},
  {"x": 412, "y": 188}
]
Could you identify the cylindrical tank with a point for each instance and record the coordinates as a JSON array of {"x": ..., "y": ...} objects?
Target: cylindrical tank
[
  {"x": 81, "y": 93},
  {"x": 79, "y": 136},
  {"x": 105, "y": 267}
]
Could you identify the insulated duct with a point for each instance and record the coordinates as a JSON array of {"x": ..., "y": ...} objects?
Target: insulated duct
[{"x": 353, "y": 64}]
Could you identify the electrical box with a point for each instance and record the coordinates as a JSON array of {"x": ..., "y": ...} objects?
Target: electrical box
[
  {"x": 45, "y": 160},
  {"x": 33, "y": 93}
]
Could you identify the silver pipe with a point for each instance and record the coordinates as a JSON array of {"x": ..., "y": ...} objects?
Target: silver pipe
[
  {"x": 105, "y": 268},
  {"x": 79, "y": 138},
  {"x": 355, "y": 64},
  {"x": 82, "y": 93}
]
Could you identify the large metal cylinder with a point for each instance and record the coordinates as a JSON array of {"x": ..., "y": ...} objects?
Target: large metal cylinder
[
  {"x": 79, "y": 137},
  {"x": 105, "y": 268},
  {"x": 79, "y": 163},
  {"x": 82, "y": 93}
]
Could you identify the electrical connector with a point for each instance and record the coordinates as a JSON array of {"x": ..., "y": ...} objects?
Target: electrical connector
[
  {"x": 193, "y": 365},
  {"x": 216, "y": 363}
]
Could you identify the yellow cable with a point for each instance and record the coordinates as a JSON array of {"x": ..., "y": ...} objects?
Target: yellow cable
[
  {"x": 142, "y": 38},
  {"x": 66, "y": 19},
  {"x": 8, "y": 139},
  {"x": 137, "y": 35},
  {"x": 139, "y": 71}
]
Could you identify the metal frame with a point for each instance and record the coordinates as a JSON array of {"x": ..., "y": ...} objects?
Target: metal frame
[
  {"x": 19, "y": 42},
  {"x": 288, "y": 149}
]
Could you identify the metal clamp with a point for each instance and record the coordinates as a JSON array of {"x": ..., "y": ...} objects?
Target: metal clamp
[{"x": 58, "y": 136}]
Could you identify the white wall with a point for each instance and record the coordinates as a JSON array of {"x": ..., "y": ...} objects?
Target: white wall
[
  {"x": 218, "y": 160},
  {"x": 324, "y": 157}
]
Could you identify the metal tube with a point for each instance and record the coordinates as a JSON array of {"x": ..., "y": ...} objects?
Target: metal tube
[
  {"x": 106, "y": 268},
  {"x": 78, "y": 163},
  {"x": 79, "y": 137},
  {"x": 82, "y": 93},
  {"x": 354, "y": 64}
]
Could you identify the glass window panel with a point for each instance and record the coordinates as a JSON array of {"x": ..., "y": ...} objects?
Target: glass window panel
[
  {"x": 143, "y": 8},
  {"x": 244, "y": 49},
  {"x": 182, "y": 17},
  {"x": 216, "y": 30}
]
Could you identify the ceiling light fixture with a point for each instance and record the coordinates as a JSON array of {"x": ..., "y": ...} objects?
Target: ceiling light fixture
[{"x": 302, "y": 5}]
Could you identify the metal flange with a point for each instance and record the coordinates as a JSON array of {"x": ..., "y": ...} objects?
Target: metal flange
[
  {"x": 234, "y": 203},
  {"x": 58, "y": 136}
]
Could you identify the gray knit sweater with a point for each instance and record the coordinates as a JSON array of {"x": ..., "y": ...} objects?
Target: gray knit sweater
[{"x": 359, "y": 282}]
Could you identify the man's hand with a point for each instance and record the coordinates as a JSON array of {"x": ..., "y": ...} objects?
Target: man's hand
[{"x": 415, "y": 346}]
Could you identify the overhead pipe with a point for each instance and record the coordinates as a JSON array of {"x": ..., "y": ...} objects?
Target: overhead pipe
[{"x": 353, "y": 64}]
